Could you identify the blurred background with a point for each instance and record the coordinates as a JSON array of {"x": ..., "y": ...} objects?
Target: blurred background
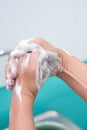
[{"x": 61, "y": 22}]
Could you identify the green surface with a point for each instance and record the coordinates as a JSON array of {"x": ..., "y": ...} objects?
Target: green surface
[
  {"x": 48, "y": 127},
  {"x": 55, "y": 95},
  {"x": 5, "y": 98}
]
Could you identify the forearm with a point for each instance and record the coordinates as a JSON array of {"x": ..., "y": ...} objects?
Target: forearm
[
  {"x": 21, "y": 117},
  {"x": 74, "y": 73}
]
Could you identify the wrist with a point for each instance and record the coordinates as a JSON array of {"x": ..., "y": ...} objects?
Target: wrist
[
  {"x": 20, "y": 109},
  {"x": 65, "y": 59},
  {"x": 26, "y": 101},
  {"x": 28, "y": 89},
  {"x": 29, "y": 92}
]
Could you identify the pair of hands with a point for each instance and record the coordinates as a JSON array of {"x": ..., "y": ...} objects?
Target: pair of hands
[
  {"x": 27, "y": 75},
  {"x": 72, "y": 73}
]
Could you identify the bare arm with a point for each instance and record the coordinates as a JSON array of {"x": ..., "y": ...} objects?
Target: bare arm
[
  {"x": 21, "y": 117},
  {"x": 21, "y": 113},
  {"x": 74, "y": 73}
]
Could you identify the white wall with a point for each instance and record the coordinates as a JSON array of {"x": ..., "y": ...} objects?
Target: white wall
[{"x": 61, "y": 22}]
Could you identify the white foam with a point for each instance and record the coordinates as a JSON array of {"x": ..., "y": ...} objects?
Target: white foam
[
  {"x": 18, "y": 89},
  {"x": 67, "y": 52}
]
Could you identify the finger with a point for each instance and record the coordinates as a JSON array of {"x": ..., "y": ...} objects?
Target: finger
[
  {"x": 11, "y": 72},
  {"x": 42, "y": 43}
]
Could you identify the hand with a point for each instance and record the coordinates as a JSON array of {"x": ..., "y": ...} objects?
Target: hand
[{"x": 11, "y": 67}]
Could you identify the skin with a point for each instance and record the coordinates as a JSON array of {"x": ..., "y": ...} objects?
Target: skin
[
  {"x": 74, "y": 73},
  {"x": 21, "y": 112}
]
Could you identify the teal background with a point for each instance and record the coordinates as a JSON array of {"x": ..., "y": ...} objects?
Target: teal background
[{"x": 55, "y": 95}]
